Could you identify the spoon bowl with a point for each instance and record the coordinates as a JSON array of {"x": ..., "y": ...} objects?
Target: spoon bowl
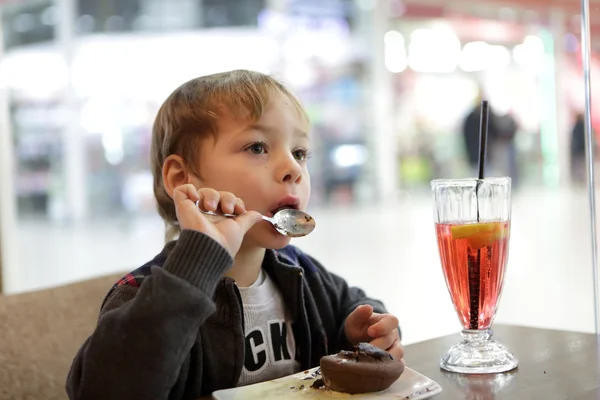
[{"x": 292, "y": 223}]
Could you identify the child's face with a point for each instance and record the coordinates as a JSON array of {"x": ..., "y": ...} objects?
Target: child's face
[{"x": 263, "y": 163}]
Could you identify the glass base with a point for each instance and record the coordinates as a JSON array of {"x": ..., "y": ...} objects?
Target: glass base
[{"x": 478, "y": 354}]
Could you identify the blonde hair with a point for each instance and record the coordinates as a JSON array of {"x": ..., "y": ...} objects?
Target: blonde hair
[{"x": 191, "y": 113}]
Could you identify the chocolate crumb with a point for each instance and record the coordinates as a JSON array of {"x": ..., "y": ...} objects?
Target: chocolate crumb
[
  {"x": 370, "y": 350},
  {"x": 318, "y": 384},
  {"x": 544, "y": 371},
  {"x": 292, "y": 387},
  {"x": 350, "y": 354},
  {"x": 306, "y": 372},
  {"x": 301, "y": 387}
]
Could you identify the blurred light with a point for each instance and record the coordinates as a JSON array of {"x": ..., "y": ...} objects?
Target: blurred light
[
  {"x": 535, "y": 43},
  {"x": 34, "y": 72},
  {"x": 350, "y": 155},
  {"x": 85, "y": 23},
  {"x": 530, "y": 54},
  {"x": 95, "y": 115},
  {"x": 300, "y": 75},
  {"x": 481, "y": 56},
  {"x": 497, "y": 87},
  {"x": 273, "y": 21},
  {"x": 433, "y": 51},
  {"x": 366, "y": 5},
  {"x": 49, "y": 16},
  {"x": 277, "y": 23},
  {"x": 114, "y": 157},
  {"x": 544, "y": 45},
  {"x": 571, "y": 43},
  {"x": 395, "y": 52},
  {"x": 136, "y": 190},
  {"x": 137, "y": 115},
  {"x": 330, "y": 48},
  {"x": 95, "y": 73},
  {"x": 448, "y": 95},
  {"x": 112, "y": 140},
  {"x": 23, "y": 23}
]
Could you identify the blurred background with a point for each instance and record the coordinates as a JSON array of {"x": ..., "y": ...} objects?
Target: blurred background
[{"x": 391, "y": 87}]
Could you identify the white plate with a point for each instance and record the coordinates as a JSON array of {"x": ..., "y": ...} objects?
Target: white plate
[{"x": 411, "y": 385}]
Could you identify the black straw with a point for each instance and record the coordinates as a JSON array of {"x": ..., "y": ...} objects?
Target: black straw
[
  {"x": 474, "y": 266},
  {"x": 483, "y": 134}
]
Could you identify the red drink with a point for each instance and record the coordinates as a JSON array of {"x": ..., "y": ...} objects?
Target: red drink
[{"x": 474, "y": 260}]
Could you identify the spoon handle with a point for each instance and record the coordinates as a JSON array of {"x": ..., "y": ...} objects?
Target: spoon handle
[
  {"x": 217, "y": 214},
  {"x": 227, "y": 215}
]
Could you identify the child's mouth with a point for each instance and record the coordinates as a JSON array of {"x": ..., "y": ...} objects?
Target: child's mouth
[
  {"x": 286, "y": 207},
  {"x": 287, "y": 202}
]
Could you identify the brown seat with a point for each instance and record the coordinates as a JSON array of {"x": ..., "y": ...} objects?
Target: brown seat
[{"x": 40, "y": 333}]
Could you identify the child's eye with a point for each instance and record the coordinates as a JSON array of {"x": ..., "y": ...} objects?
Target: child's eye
[
  {"x": 257, "y": 148},
  {"x": 300, "y": 154}
]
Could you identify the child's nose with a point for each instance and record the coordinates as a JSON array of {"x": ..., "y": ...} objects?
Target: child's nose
[{"x": 291, "y": 171}]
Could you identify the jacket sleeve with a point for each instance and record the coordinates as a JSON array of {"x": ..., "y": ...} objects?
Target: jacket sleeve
[
  {"x": 144, "y": 336},
  {"x": 345, "y": 299}
]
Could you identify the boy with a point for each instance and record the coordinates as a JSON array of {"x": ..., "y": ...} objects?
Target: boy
[{"x": 228, "y": 303}]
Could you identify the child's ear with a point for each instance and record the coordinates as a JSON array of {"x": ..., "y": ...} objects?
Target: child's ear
[{"x": 174, "y": 173}]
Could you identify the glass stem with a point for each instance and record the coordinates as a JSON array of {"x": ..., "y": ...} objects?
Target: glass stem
[{"x": 474, "y": 336}]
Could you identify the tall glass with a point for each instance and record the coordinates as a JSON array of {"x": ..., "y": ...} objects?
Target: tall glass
[{"x": 472, "y": 222}]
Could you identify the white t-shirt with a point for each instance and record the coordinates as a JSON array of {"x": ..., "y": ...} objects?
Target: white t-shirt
[{"x": 270, "y": 344}]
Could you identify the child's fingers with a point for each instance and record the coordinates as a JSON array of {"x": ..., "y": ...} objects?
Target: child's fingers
[
  {"x": 185, "y": 198},
  {"x": 185, "y": 192},
  {"x": 248, "y": 220},
  {"x": 356, "y": 324},
  {"x": 227, "y": 202},
  {"x": 240, "y": 207},
  {"x": 358, "y": 319},
  {"x": 396, "y": 350},
  {"x": 388, "y": 323},
  {"x": 209, "y": 199},
  {"x": 360, "y": 315}
]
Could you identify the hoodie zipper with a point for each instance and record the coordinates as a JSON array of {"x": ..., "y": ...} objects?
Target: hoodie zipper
[
  {"x": 240, "y": 307},
  {"x": 238, "y": 296},
  {"x": 307, "y": 352}
]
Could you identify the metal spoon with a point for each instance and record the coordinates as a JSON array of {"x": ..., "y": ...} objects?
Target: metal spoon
[{"x": 288, "y": 221}]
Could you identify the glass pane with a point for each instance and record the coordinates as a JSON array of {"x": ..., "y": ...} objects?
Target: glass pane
[
  {"x": 584, "y": 133},
  {"x": 390, "y": 88}
]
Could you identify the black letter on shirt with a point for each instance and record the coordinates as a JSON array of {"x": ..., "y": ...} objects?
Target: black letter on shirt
[
  {"x": 279, "y": 341},
  {"x": 261, "y": 357}
]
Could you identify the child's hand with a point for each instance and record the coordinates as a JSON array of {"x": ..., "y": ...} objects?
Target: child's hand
[
  {"x": 380, "y": 330},
  {"x": 228, "y": 232}
]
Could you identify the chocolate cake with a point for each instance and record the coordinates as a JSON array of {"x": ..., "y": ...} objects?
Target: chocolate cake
[{"x": 366, "y": 369}]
